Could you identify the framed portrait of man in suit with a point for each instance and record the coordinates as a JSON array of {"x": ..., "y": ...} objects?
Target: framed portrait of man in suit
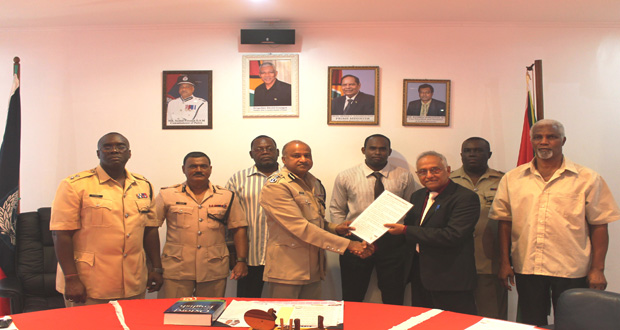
[
  {"x": 270, "y": 85},
  {"x": 353, "y": 95},
  {"x": 426, "y": 102},
  {"x": 187, "y": 100}
]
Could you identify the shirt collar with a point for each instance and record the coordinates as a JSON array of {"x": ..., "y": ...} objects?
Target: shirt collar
[
  {"x": 385, "y": 171},
  {"x": 104, "y": 176}
]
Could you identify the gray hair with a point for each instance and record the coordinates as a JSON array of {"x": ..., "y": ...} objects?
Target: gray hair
[
  {"x": 267, "y": 64},
  {"x": 554, "y": 123},
  {"x": 444, "y": 161}
]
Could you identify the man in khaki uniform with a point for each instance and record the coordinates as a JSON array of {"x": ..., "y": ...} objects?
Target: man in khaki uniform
[
  {"x": 103, "y": 222},
  {"x": 197, "y": 213},
  {"x": 491, "y": 297},
  {"x": 294, "y": 201}
]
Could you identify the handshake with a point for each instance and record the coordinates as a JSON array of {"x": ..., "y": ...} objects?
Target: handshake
[{"x": 360, "y": 249}]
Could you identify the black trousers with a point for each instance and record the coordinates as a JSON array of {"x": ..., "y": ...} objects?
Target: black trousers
[
  {"x": 355, "y": 275},
  {"x": 453, "y": 301},
  {"x": 535, "y": 291},
  {"x": 251, "y": 286}
]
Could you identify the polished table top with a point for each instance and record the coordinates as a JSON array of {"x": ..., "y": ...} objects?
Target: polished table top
[{"x": 149, "y": 314}]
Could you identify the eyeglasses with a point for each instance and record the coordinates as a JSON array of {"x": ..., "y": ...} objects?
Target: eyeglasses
[
  {"x": 432, "y": 170},
  {"x": 119, "y": 147}
]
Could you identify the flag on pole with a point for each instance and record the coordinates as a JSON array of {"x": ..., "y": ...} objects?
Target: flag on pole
[
  {"x": 526, "y": 152},
  {"x": 9, "y": 185}
]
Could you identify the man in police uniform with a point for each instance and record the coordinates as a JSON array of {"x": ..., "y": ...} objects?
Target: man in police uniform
[
  {"x": 197, "y": 213},
  {"x": 272, "y": 92},
  {"x": 491, "y": 297},
  {"x": 103, "y": 222},
  {"x": 187, "y": 109},
  {"x": 294, "y": 201}
]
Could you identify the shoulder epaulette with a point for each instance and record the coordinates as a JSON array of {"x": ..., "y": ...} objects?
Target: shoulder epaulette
[
  {"x": 83, "y": 174},
  {"x": 173, "y": 186},
  {"x": 275, "y": 177},
  {"x": 139, "y": 176}
]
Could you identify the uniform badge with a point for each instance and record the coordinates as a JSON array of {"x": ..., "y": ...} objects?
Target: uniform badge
[
  {"x": 274, "y": 179},
  {"x": 142, "y": 195},
  {"x": 292, "y": 176}
]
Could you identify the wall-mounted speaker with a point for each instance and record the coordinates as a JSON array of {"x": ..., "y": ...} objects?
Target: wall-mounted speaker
[{"x": 275, "y": 37}]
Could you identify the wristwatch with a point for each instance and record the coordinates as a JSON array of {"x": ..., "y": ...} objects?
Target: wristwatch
[
  {"x": 242, "y": 259},
  {"x": 158, "y": 270}
]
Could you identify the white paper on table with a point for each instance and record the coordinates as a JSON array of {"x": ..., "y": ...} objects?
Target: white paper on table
[
  {"x": 493, "y": 324},
  {"x": 387, "y": 208}
]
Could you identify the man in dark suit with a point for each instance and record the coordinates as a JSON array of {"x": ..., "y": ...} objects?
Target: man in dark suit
[
  {"x": 272, "y": 92},
  {"x": 426, "y": 105},
  {"x": 439, "y": 231},
  {"x": 353, "y": 102}
]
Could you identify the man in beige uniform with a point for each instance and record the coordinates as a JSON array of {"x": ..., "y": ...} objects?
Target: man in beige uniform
[
  {"x": 103, "y": 222},
  {"x": 197, "y": 213},
  {"x": 294, "y": 201},
  {"x": 491, "y": 297}
]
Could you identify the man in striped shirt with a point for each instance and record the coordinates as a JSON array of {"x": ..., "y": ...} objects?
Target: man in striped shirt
[
  {"x": 247, "y": 184},
  {"x": 354, "y": 190}
]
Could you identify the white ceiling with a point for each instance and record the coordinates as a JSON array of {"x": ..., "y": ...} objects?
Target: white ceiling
[{"x": 59, "y": 13}]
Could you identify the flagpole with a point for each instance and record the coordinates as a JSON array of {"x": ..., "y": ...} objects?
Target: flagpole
[
  {"x": 16, "y": 66},
  {"x": 538, "y": 85}
]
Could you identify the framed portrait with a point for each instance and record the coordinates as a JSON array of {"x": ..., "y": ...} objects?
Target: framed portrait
[
  {"x": 187, "y": 100},
  {"x": 426, "y": 102},
  {"x": 270, "y": 85},
  {"x": 353, "y": 95}
]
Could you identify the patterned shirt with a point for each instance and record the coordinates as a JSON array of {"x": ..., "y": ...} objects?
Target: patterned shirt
[{"x": 247, "y": 184}]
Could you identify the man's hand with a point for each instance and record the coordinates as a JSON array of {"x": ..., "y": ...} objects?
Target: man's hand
[
  {"x": 344, "y": 229},
  {"x": 357, "y": 248},
  {"x": 596, "y": 279},
  {"x": 154, "y": 281},
  {"x": 506, "y": 274},
  {"x": 240, "y": 270},
  {"x": 74, "y": 289},
  {"x": 395, "y": 228},
  {"x": 370, "y": 249}
]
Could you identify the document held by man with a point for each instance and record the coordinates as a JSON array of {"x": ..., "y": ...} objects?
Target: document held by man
[{"x": 387, "y": 208}]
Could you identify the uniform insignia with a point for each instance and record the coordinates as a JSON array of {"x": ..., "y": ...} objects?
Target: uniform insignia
[
  {"x": 93, "y": 195},
  {"x": 274, "y": 179},
  {"x": 142, "y": 195},
  {"x": 292, "y": 176},
  {"x": 181, "y": 203},
  {"x": 301, "y": 193},
  {"x": 493, "y": 189},
  {"x": 219, "y": 205}
]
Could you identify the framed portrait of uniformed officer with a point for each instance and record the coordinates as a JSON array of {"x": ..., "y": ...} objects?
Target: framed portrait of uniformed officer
[
  {"x": 426, "y": 102},
  {"x": 270, "y": 85},
  {"x": 353, "y": 95},
  {"x": 187, "y": 100}
]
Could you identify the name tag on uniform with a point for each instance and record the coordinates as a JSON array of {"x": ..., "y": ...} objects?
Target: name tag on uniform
[
  {"x": 97, "y": 196},
  {"x": 181, "y": 203},
  {"x": 219, "y": 205}
]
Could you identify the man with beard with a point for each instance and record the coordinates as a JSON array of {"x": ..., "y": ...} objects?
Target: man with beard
[
  {"x": 354, "y": 190},
  {"x": 104, "y": 228},
  {"x": 352, "y": 101},
  {"x": 247, "y": 184},
  {"x": 294, "y": 201},
  {"x": 491, "y": 296},
  {"x": 553, "y": 217},
  {"x": 272, "y": 92},
  {"x": 197, "y": 214}
]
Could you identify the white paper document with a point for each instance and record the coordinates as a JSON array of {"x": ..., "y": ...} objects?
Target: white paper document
[
  {"x": 412, "y": 322},
  {"x": 387, "y": 208}
]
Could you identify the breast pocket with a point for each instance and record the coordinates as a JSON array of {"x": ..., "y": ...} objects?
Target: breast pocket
[
  {"x": 306, "y": 207},
  {"x": 216, "y": 217},
  {"x": 96, "y": 212},
  {"x": 180, "y": 216}
]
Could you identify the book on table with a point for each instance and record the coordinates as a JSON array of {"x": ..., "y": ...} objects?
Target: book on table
[{"x": 193, "y": 311}]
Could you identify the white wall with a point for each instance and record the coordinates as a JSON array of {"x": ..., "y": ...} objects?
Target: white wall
[{"x": 79, "y": 83}]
